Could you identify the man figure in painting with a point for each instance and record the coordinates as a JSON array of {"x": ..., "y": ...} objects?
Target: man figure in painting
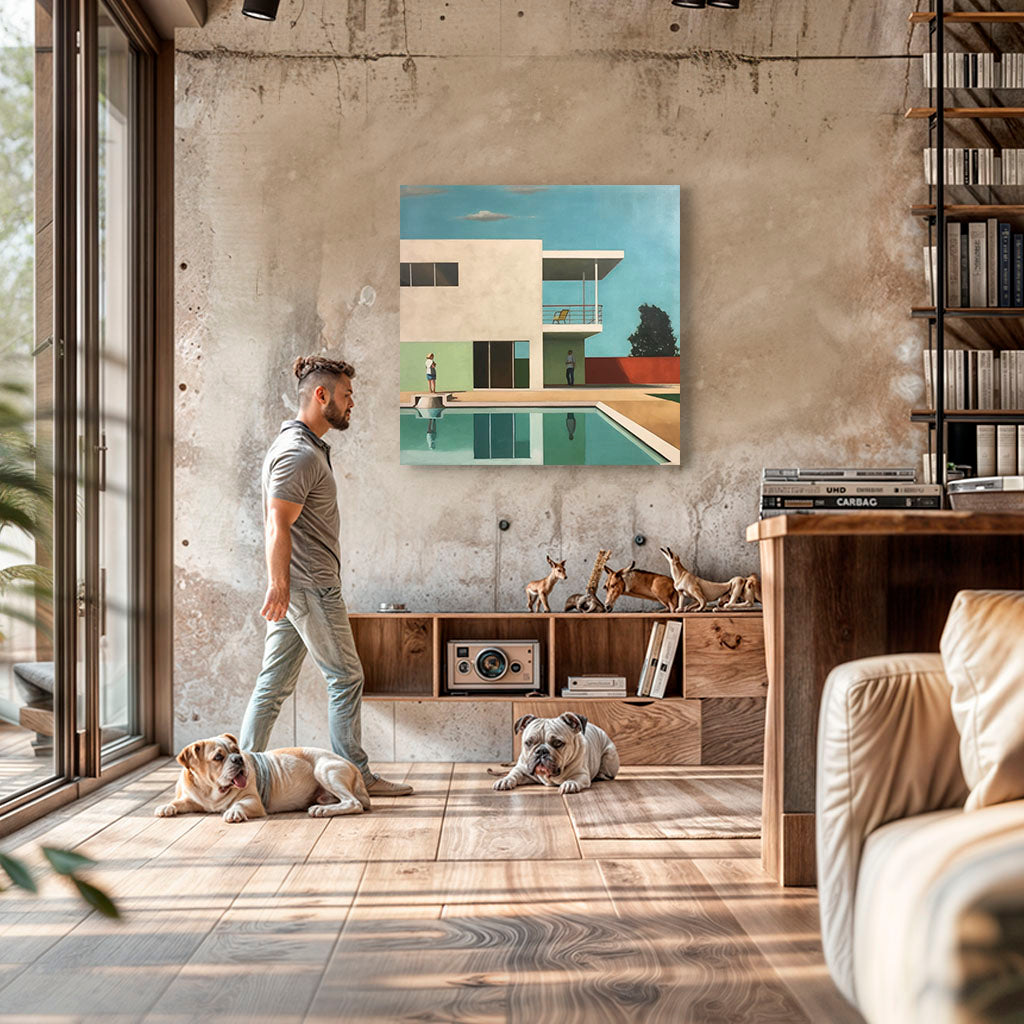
[
  {"x": 570, "y": 369},
  {"x": 304, "y": 608},
  {"x": 431, "y": 373}
]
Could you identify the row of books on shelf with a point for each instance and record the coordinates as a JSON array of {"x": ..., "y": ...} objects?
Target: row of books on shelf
[
  {"x": 984, "y": 166},
  {"x": 852, "y": 489},
  {"x": 1000, "y": 449},
  {"x": 975, "y": 70},
  {"x": 976, "y": 379},
  {"x": 659, "y": 658},
  {"x": 984, "y": 266}
]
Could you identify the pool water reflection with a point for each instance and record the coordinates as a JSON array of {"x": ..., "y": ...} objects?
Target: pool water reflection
[{"x": 519, "y": 437}]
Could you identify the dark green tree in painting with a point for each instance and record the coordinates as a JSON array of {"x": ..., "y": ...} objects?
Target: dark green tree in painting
[{"x": 654, "y": 335}]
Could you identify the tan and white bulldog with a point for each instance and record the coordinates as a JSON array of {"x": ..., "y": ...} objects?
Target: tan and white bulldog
[
  {"x": 217, "y": 776},
  {"x": 567, "y": 752}
]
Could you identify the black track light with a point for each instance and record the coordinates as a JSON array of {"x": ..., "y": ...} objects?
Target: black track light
[
  {"x": 689, "y": 3},
  {"x": 730, "y": 5},
  {"x": 263, "y": 10}
]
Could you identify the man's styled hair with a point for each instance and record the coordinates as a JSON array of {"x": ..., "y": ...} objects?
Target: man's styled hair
[{"x": 314, "y": 371}]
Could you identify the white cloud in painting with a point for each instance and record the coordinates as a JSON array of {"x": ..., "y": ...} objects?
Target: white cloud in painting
[{"x": 485, "y": 215}]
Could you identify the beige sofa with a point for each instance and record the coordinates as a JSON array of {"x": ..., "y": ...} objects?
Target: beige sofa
[{"x": 922, "y": 900}]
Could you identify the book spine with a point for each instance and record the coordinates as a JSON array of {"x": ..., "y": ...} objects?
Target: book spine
[
  {"x": 986, "y": 450},
  {"x": 1005, "y": 268},
  {"x": 986, "y": 380},
  {"x": 953, "y": 265},
  {"x": 852, "y": 502},
  {"x": 1020, "y": 449},
  {"x": 979, "y": 264},
  {"x": 965, "y": 268},
  {"x": 992, "y": 254},
  {"x": 1018, "y": 270},
  {"x": 959, "y": 379},
  {"x": 1006, "y": 449},
  {"x": 805, "y": 490}
]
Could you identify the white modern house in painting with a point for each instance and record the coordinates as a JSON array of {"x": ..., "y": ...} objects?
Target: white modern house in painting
[{"x": 478, "y": 306}]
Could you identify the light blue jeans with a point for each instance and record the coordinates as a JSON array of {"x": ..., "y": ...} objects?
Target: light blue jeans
[{"x": 316, "y": 621}]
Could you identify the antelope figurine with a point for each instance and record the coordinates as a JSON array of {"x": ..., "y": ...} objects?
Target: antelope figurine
[
  {"x": 702, "y": 591},
  {"x": 745, "y": 592},
  {"x": 537, "y": 590},
  {"x": 633, "y": 582}
]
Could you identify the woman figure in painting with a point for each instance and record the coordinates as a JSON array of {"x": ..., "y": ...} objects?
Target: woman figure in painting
[{"x": 431, "y": 373}]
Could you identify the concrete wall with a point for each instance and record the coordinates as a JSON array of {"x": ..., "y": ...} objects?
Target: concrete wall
[{"x": 781, "y": 122}]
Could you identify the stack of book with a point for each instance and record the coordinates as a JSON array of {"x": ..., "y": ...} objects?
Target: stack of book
[
  {"x": 847, "y": 489},
  {"x": 984, "y": 265},
  {"x": 975, "y": 71},
  {"x": 595, "y": 686},
  {"x": 660, "y": 656}
]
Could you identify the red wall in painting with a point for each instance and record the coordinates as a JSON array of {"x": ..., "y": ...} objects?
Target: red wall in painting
[{"x": 632, "y": 370}]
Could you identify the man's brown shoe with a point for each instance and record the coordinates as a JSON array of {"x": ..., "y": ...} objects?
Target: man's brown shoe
[{"x": 383, "y": 787}]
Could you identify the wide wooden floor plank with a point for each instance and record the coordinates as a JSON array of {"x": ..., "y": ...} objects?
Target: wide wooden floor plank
[
  {"x": 714, "y": 803},
  {"x": 660, "y": 849},
  {"x": 459, "y": 940},
  {"x": 527, "y": 823},
  {"x": 168, "y": 904},
  {"x": 265, "y": 955},
  {"x": 397, "y": 827},
  {"x": 784, "y": 926},
  {"x": 699, "y": 963}
]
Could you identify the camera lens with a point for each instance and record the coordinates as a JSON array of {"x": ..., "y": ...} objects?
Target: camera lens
[
  {"x": 463, "y": 667},
  {"x": 491, "y": 663},
  {"x": 515, "y": 667}
]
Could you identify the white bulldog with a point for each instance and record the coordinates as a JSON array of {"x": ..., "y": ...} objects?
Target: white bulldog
[{"x": 567, "y": 752}]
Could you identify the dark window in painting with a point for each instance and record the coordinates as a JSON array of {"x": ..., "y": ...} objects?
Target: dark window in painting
[
  {"x": 422, "y": 275},
  {"x": 447, "y": 275},
  {"x": 405, "y": 275}
]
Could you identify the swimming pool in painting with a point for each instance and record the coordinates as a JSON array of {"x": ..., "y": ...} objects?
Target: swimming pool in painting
[{"x": 500, "y": 436}]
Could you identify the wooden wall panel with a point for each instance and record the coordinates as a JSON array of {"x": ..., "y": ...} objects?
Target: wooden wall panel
[
  {"x": 647, "y": 732},
  {"x": 723, "y": 656},
  {"x": 732, "y": 730}
]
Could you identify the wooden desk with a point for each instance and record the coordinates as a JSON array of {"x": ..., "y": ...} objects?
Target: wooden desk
[{"x": 839, "y": 587}]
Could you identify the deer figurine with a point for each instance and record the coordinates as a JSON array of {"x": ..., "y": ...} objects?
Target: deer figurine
[
  {"x": 537, "y": 590},
  {"x": 633, "y": 582},
  {"x": 745, "y": 592},
  {"x": 702, "y": 591},
  {"x": 588, "y": 601}
]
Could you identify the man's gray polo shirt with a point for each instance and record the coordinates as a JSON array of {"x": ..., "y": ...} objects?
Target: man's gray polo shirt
[{"x": 298, "y": 469}]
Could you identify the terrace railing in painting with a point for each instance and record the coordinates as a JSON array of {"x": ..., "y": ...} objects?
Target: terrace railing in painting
[{"x": 567, "y": 314}]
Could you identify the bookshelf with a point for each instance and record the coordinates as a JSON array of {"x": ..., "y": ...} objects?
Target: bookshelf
[
  {"x": 989, "y": 125},
  {"x": 712, "y": 711}
]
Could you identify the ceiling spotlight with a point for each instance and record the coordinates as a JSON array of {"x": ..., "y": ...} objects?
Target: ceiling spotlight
[
  {"x": 689, "y": 3},
  {"x": 263, "y": 10}
]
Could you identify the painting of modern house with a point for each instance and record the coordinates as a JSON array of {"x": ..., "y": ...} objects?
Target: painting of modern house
[{"x": 539, "y": 325}]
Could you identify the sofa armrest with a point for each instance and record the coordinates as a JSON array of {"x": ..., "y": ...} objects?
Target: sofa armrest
[{"x": 887, "y": 748}]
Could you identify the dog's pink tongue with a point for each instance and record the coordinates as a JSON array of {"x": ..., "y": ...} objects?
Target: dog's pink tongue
[
  {"x": 542, "y": 769},
  {"x": 239, "y": 781}
]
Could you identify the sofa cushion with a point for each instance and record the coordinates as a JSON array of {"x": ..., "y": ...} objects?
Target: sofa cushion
[
  {"x": 887, "y": 749},
  {"x": 983, "y": 654},
  {"x": 932, "y": 889}
]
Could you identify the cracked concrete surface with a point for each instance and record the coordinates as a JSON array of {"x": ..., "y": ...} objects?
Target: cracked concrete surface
[{"x": 782, "y": 124}]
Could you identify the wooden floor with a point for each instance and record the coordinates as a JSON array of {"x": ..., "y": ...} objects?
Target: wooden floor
[{"x": 457, "y": 904}]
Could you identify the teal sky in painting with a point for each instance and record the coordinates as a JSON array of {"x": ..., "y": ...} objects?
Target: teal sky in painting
[{"x": 641, "y": 220}]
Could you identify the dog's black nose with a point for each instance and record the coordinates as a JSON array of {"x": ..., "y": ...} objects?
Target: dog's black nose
[
  {"x": 543, "y": 749},
  {"x": 236, "y": 758}
]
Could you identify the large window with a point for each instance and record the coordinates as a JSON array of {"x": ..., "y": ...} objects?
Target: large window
[{"x": 76, "y": 95}]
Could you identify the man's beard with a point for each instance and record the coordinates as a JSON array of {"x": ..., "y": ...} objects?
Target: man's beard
[{"x": 335, "y": 417}]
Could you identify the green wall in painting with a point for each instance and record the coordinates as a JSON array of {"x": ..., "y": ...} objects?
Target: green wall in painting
[
  {"x": 454, "y": 365},
  {"x": 554, "y": 362}
]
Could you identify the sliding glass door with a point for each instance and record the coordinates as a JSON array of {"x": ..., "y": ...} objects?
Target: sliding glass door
[{"x": 76, "y": 237}]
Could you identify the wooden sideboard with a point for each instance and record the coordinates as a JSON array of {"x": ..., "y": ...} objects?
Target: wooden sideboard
[
  {"x": 712, "y": 712},
  {"x": 840, "y": 587}
]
